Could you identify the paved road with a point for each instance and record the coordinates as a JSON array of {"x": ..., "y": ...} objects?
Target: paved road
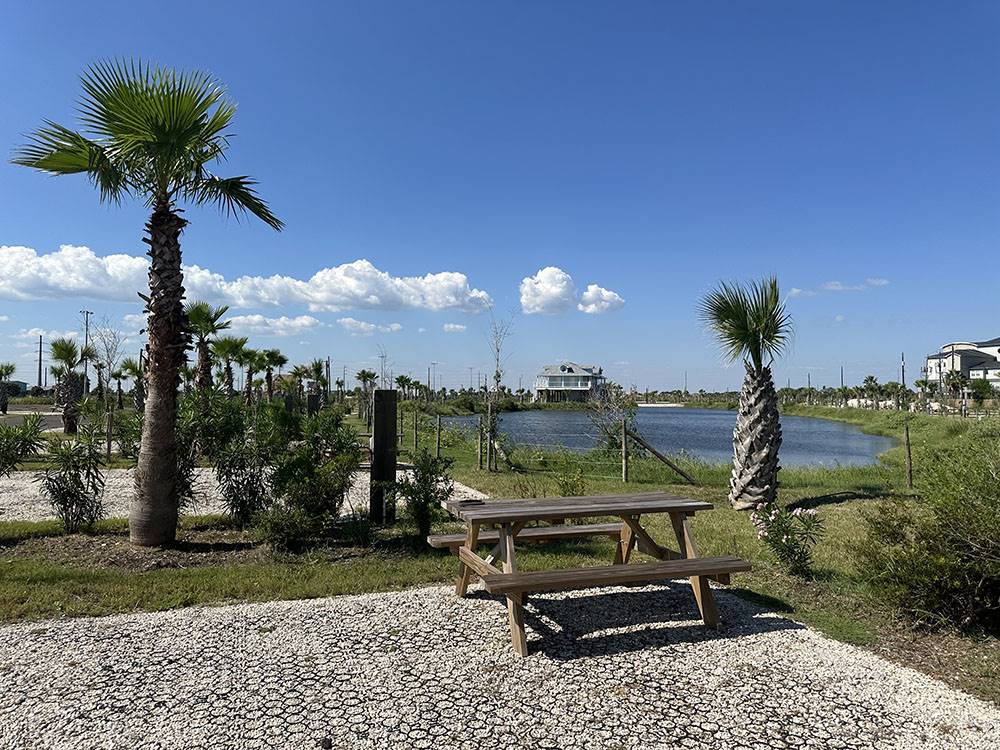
[
  {"x": 625, "y": 668},
  {"x": 51, "y": 420}
]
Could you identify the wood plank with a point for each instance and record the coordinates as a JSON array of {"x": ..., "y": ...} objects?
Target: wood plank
[
  {"x": 515, "y": 610},
  {"x": 480, "y": 566},
  {"x": 647, "y": 544},
  {"x": 464, "y": 571},
  {"x": 612, "y": 575},
  {"x": 574, "y": 508},
  {"x": 531, "y": 534}
]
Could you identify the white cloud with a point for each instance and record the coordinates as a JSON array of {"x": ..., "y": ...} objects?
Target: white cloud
[
  {"x": 549, "y": 291},
  {"x": 4, "y": 318},
  {"x": 363, "y": 328},
  {"x": 262, "y": 326},
  {"x": 597, "y": 300},
  {"x": 871, "y": 282},
  {"x": 839, "y": 318},
  {"x": 453, "y": 328},
  {"x": 796, "y": 292},
  {"x": 33, "y": 333},
  {"x": 76, "y": 271}
]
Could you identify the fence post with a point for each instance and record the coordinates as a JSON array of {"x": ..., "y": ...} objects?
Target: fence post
[
  {"x": 909, "y": 456},
  {"x": 437, "y": 447},
  {"x": 383, "y": 467},
  {"x": 479, "y": 445},
  {"x": 624, "y": 451}
]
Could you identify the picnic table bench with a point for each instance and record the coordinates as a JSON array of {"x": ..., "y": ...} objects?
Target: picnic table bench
[{"x": 511, "y": 518}]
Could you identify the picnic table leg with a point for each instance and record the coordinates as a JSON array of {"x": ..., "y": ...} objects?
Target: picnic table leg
[
  {"x": 626, "y": 543},
  {"x": 515, "y": 608},
  {"x": 699, "y": 584},
  {"x": 464, "y": 571}
]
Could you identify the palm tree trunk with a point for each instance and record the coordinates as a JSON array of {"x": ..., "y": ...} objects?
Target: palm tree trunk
[
  {"x": 204, "y": 366},
  {"x": 230, "y": 391},
  {"x": 756, "y": 441},
  {"x": 249, "y": 387},
  {"x": 153, "y": 515},
  {"x": 269, "y": 380}
]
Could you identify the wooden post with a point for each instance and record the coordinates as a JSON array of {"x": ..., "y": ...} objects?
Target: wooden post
[
  {"x": 624, "y": 451},
  {"x": 402, "y": 428},
  {"x": 383, "y": 468},
  {"x": 909, "y": 455},
  {"x": 479, "y": 449},
  {"x": 437, "y": 437}
]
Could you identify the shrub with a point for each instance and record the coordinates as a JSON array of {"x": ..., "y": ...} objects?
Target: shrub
[
  {"x": 74, "y": 483},
  {"x": 19, "y": 442},
  {"x": 285, "y": 528},
  {"x": 128, "y": 432},
  {"x": 789, "y": 534},
  {"x": 571, "y": 483},
  {"x": 244, "y": 471},
  {"x": 938, "y": 560},
  {"x": 426, "y": 490}
]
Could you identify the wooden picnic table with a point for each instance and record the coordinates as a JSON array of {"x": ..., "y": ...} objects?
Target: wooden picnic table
[{"x": 511, "y": 518}]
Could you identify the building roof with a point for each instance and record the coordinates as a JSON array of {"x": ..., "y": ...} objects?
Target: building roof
[
  {"x": 571, "y": 368},
  {"x": 987, "y": 366},
  {"x": 991, "y": 342}
]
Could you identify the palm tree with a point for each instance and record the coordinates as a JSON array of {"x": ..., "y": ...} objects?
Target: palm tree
[
  {"x": 273, "y": 359},
  {"x": 152, "y": 133},
  {"x": 317, "y": 374},
  {"x": 7, "y": 369},
  {"x": 871, "y": 389},
  {"x": 340, "y": 389},
  {"x": 205, "y": 321},
  {"x": 248, "y": 359},
  {"x": 117, "y": 376},
  {"x": 227, "y": 349},
  {"x": 751, "y": 324},
  {"x": 67, "y": 356},
  {"x": 134, "y": 369},
  {"x": 955, "y": 381}
]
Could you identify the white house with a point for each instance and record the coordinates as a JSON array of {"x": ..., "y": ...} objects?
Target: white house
[
  {"x": 974, "y": 359},
  {"x": 568, "y": 381}
]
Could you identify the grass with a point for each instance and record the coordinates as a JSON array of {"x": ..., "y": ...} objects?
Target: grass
[{"x": 836, "y": 600}]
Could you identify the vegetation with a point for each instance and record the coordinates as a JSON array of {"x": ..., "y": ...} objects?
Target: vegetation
[
  {"x": 423, "y": 493},
  {"x": 7, "y": 369},
  {"x": 751, "y": 324},
  {"x": 70, "y": 386},
  {"x": 74, "y": 483},
  {"x": 152, "y": 133},
  {"x": 19, "y": 442}
]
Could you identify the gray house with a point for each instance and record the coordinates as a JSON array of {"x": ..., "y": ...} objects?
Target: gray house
[{"x": 568, "y": 381}]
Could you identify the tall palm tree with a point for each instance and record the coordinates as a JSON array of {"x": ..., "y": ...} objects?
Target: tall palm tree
[
  {"x": 317, "y": 374},
  {"x": 227, "y": 349},
  {"x": 871, "y": 389},
  {"x": 134, "y": 369},
  {"x": 248, "y": 359},
  {"x": 153, "y": 133},
  {"x": 67, "y": 357},
  {"x": 7, "y": 369},
  {"x": 751, "y": 324},
  {"x": 340, "y": 390},
  {"x": 273, "y": 360},
  {"x": 204, "y": 322},
  {"x": 118, "y": 376}
]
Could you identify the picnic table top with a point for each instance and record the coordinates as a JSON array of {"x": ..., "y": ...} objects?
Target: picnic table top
[{"x": 547, "y": 508}]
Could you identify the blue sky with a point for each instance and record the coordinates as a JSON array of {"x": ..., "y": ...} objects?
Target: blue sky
[{"x": 650, "y": 149}]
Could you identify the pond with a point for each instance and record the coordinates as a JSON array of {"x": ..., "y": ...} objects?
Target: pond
[{"x": 702, "y": 433}]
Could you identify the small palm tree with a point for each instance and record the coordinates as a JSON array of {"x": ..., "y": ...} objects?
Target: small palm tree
[
  {"x": 340, "y": 390},
  {"x": 317, "y": 376},
  {"x": 7, "y": 369},
  {"x": 153, "y": 133},
  {"x": 66, "y": 357},
  {"x": 133, "y": 368},
  {"x": 273, "y": 360},
  {"x": 752, "y": 325},
  {"x": 118, "y": 376},
  {"x": 204, "y": 321},
  {"x": 227, "y": 349},
  {"x": 249, "y": 360}
]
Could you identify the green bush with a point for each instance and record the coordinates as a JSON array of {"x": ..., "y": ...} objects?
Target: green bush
[
  {"x": 18, "y": 443},
  {"x": 74, "y": 483},
  {"x": 938, "y": 559},
  {"x": 571, "y": 483},
  {"x": 426, "y": 490},
  {"x": 128, "y": 432}
]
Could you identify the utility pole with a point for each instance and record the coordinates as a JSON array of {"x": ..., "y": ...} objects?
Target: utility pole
[
  {"x": 428, "y": 385},
  {"x": 685, "y": 382},
  {"x": 902, "y": 368},
  {"x": 470, "y": 378},
  {"x": 86, "y": 342},
  {"x": 39, "y": 360}
]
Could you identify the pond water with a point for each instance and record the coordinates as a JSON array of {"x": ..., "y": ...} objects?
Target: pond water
[{"x": 703, "y": 433}]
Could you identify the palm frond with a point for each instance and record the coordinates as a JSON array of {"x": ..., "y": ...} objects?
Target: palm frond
[
  {"x": 234, "y": 196},
  {"x": 749, "y": 320}
]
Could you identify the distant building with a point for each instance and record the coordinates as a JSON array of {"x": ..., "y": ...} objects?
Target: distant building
[
  {"x": 976, "y": 360},
  {"x": 17, "y": 388},
  {"x": 568, "y": 381}
]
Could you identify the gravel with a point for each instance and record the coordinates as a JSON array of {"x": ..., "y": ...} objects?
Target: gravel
[
  {"x": 616, "y": 668},
  {"x": 21, "y": 498}
]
